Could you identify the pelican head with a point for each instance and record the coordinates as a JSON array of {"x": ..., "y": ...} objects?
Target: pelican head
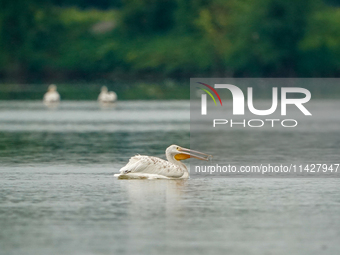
[
  {"x": 179, "y": 153},
  {"x": 52, "y": 87},
  {"x": 104, "y": 89}
]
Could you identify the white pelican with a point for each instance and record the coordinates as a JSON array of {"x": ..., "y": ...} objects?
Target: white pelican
[
  {"x": 145, "y": 167},
  {"x": 52, "y": 95},
  {"x": 106, "y": 96}
]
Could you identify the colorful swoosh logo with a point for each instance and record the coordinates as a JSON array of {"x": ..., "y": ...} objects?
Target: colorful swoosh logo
[{"x": 213, "y": 90}]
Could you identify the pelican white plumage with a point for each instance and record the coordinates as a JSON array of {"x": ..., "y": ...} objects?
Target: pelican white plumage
[
  {"x": 52, "y": 95},
  {"x": 146, "y": 167},
  {"x": 106, "y": 96}
]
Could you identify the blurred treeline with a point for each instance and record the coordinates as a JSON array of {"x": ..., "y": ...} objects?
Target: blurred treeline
[{"x": 107, "y": 40}]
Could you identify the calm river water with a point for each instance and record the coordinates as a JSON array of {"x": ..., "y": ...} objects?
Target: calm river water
[{"x": 58, "y": 194}]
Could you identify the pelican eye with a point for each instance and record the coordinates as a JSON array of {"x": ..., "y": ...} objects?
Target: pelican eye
[{"x": 177, "y": 148}]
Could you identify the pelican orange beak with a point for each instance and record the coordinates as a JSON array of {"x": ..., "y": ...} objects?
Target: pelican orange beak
[{"x": 187, "y": 153}]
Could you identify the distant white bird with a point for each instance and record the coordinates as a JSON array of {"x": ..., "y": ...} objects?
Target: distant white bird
[
  {"x": 52, "y": 95},
  {"x": 145, "y": 167},
  {"x": 106, "y": 96}
]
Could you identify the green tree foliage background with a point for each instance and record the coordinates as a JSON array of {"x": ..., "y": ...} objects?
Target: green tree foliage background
[{"x": 73, "y": 40}]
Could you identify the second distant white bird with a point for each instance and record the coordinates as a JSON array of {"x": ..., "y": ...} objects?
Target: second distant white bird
[
  {"x": 52, "y": 95},
  {"x": 106, "y": 96}
]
